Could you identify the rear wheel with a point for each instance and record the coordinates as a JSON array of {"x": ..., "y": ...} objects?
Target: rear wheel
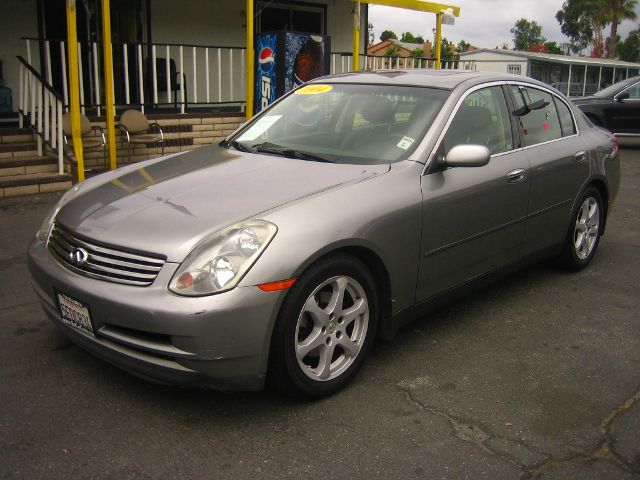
[
  {"x": 584, "y": 231},
  {"x": 325, "y": 328}
]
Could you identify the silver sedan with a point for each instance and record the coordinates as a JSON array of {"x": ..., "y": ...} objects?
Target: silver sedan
[{"x": 349, "y": 207}]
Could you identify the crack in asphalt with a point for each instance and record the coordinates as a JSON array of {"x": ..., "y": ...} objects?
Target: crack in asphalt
[
  {"x": 466, "y": 431},
  {"x": 478, "y": 436},
  {"x": 604, "y": 450}
]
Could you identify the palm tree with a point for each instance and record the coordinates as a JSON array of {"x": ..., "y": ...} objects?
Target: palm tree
[{"x": 616, "y": 11}]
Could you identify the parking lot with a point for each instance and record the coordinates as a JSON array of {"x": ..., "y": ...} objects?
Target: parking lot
[{"x": 537, "y": 376}]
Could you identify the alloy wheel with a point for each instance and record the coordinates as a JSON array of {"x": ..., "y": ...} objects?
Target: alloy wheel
[
  {"x": 587, "y": 227},
  {"x": 331, "y": 328}
]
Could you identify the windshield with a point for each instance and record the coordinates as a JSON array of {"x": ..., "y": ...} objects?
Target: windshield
[
  {"x": 612, "y": 89},
  {"x": 344, "y": 123}
]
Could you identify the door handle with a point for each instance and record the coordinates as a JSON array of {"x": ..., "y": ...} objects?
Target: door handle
[
  {"x": 580, "y": 156},
  {"x": 517, "y": 175}
]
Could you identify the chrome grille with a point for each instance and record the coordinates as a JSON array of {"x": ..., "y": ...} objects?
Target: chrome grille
[{"x": 90, "y": 258}]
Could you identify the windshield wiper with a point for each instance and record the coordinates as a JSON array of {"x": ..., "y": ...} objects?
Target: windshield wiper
[
  {"x": 235, "y": 144},
  {"x": 268, "y": 147}
]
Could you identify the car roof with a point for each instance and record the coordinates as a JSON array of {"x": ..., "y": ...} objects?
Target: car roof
[{"x": 446, "y": 79}]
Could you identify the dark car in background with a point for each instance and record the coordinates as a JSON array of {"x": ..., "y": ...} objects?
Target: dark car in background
[{"x": 616, "y": 108}]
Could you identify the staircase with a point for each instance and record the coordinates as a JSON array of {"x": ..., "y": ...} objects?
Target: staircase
[{"x": 22, "y": 171}]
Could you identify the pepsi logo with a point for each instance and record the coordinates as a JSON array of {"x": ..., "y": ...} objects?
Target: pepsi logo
[{"x": 266, "y": 59}]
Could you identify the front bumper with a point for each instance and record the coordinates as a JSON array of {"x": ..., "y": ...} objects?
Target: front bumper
[{"x": 220, "y": 341}]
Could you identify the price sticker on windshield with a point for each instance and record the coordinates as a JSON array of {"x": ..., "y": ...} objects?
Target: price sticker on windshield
[
  {"x": 313, "y": 89},
  {"x": 405, "y": 143}
]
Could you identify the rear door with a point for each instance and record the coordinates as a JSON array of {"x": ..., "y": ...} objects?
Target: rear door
[
  {"x": 559, "y": 163},
  {"x": 473, "y": 218}
]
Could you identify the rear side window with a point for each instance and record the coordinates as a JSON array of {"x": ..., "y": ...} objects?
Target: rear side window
[
  {"x": 481, "y": 119},
  {"x": 566, "y": 119},
  {"x": 536, "y": 112}
]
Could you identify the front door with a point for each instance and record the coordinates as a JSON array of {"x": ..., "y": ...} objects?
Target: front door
[
  {"x": 474, "y": 217},
  {"x": 624, "y": 115}
]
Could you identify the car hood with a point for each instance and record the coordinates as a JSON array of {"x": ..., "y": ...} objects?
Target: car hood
[{"x": 168, "y": 206}]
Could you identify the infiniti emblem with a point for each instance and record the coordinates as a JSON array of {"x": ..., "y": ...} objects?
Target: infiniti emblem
[{"x": 79, "y": 256}]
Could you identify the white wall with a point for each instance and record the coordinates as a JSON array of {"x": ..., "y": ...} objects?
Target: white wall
[
  {"x": 18, "y": 19},
  {"x": 222, "y": 22},
  {"x": 495, "y": 62}
]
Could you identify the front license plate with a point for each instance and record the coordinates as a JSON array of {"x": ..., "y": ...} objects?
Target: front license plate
[{"x": 75, "y": 314}]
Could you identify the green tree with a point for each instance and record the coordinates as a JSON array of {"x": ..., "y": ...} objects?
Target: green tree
[
  {"x": 392, "y": 51},
  {"x": 526, "y": 34},
  {"x": 583, "y": 21},
  {"x": 463, "y": 46},
  {"x": 417, "y": 53},
  {"x": 553, "y": 47},
  {"x": 615, "y": 11},
  {"x": 447, "y": 51},
  {"x": 576, "y": 22},
  {"x": 629, "y": 50},
  {"x": 387, "y": 34},
  {"x": 407, "y": 37}
]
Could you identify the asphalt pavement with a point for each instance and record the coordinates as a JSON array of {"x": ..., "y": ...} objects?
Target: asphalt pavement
[{"x": 537, "y": 376}]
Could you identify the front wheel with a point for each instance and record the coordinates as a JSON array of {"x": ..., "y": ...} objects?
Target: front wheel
[
  {"x": 325, "y": 328},
  {"x": 584, "y": 231}
]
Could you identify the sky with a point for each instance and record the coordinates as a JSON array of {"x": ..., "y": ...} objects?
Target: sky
[{"x": 483, "y": 23}]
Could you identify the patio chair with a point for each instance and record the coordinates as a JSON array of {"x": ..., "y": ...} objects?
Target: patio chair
[
  {"x": 137, "y": 130},
  {"x": 93, "y": 138}
]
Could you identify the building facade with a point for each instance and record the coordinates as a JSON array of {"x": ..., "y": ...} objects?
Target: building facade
[
  {"x": 200, "y": 44},
  {"x": 574, "y": 76}
]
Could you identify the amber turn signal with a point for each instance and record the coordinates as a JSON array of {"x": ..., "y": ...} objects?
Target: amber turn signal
[{"x": 275, "y": 286}]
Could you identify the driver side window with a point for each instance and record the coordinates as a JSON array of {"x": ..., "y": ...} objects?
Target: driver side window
[
  {"x": 481, "y": 119},
  {"x": 634, "y": 92}
]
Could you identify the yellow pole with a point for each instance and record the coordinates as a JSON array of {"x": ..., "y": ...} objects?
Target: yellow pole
[
  {"x": 74, "y": 92},
  {"x": 356, "y": 35},
  {"x": 110, "y": 110},
  {"x": 250, "y": 62},
  {"x": 438, "y": 44}
]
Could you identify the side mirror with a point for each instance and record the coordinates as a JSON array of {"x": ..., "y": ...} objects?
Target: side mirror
[
  {"x": 622, "y": 96},
  {"x": 467, "y": 156}
]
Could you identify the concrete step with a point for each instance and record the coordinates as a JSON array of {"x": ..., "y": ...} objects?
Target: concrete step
[
  {"x": 18, "y": 149},
  {"x": 9, "y": 120},
  {"x": 27, "y": 165},
  {"x": 12, "y": 132},
  {"x": 15, "y": 135},
  {"x": 28, "y": 184}
]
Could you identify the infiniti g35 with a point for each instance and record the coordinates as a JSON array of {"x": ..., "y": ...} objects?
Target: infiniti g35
[{"x": 336, "y": 215}]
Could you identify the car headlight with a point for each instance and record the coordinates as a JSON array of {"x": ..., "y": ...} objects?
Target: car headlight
[
  {"x": 45, "y": 228},
  {"x": 220, "y": 262}
]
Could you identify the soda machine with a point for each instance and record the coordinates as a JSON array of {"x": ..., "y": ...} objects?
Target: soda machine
[{"x": 285, "y": 60}]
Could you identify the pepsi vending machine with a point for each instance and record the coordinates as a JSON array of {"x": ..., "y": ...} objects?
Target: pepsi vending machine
[{"x": 285, "y": 60}]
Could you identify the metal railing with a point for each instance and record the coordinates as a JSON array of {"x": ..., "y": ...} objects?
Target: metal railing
[
  {"x": 342, "y": 62},
  {"x": 159, "y": 74},
  {"x": 42, "y": 107}
]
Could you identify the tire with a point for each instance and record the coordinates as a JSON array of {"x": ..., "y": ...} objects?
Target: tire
[
  {"x": 585, "y": 228},
  {"x": 318, "y": 344}
]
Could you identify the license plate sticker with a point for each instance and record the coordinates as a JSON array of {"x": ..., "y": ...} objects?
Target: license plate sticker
[{"x": 75, "y": 314}]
